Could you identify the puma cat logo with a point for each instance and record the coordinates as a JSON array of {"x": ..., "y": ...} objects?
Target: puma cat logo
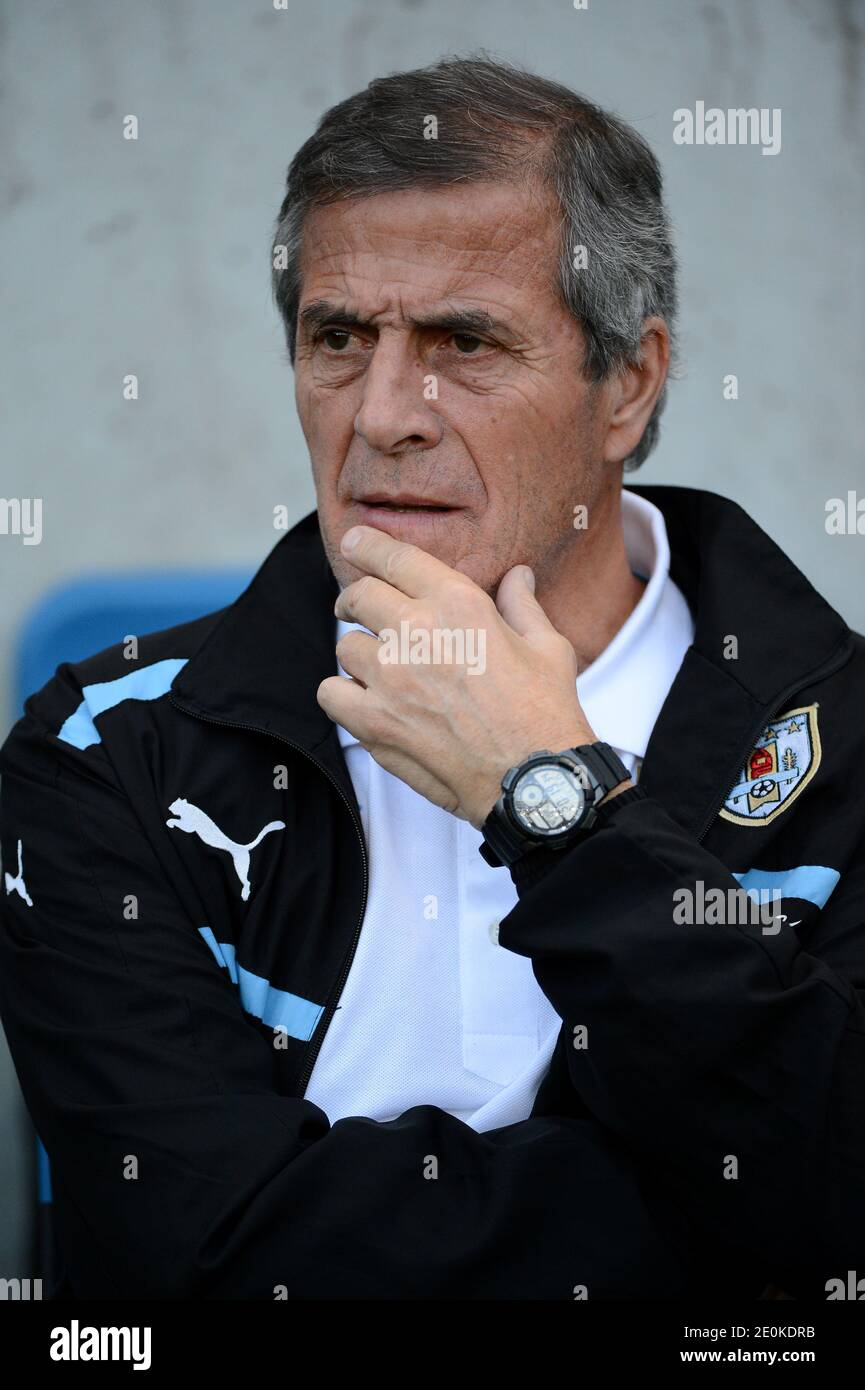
[
  {"x": 194, "y": 821},
  {"x": 17, "y": 884}
]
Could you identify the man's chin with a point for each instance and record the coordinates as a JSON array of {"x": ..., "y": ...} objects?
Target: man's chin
[
  {"x": 437, "y": 540},
  {"x": 346, "y": 574}
]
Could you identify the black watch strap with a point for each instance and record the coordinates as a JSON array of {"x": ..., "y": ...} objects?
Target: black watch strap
[
  {"x": 605, "y": 763},
  {"x": 502, "y": 843}
]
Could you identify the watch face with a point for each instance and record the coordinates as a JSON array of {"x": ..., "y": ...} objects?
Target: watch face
[{"x": 548, "y": 799}]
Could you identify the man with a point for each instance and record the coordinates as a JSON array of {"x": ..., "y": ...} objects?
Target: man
[{"x": 426, "y": 974}]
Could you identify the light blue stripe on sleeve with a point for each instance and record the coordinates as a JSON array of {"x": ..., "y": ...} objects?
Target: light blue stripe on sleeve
[
  {"x": 275, "y": 1007},
  {"x": 145, "y": 683},
  {"x": 813, "y": 882}
]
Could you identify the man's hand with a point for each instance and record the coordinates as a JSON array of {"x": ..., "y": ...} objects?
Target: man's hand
[{"x": 450, "y": 731}]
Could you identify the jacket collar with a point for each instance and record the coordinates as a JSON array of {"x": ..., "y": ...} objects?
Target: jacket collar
[
  {"x": 262, "y": 662},
  {"x": 739, "y": 585}
]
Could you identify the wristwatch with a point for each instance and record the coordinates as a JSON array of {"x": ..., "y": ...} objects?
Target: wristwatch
[{"x": 549, "y": 800}]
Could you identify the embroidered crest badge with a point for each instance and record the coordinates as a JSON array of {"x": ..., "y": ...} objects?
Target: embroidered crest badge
[{"x": 779, "y": 766}]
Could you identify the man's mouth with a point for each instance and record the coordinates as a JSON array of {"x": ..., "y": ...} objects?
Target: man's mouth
[
  {"x": 404, "y": 503},
  {"x": 406, "y": 517}
]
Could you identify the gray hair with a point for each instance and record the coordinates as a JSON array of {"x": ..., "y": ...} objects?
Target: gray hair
[{"x": 497, "y": 122}]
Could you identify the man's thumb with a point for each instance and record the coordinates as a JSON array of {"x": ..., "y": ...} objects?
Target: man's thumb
[{"x": 517, "y": 604}]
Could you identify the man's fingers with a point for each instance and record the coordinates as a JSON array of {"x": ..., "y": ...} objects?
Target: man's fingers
[
  {"x": 358, "y": 655},
  {"x": 342, "y": 701},
  {"x": 370, "y": 602},
  {"x": 517, "y": 604},
  {"x": 406, "y": 567}
]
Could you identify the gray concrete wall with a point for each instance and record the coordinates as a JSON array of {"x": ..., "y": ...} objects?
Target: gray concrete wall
[{"x": 152, "y": 257}]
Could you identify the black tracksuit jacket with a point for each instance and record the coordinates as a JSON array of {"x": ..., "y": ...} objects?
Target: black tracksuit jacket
[{"x": 164, "y": 1019}]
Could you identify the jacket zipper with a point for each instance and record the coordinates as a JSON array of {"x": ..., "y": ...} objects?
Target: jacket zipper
[
  {"x": 829, "y": 667},
  {"x": 314, "y": 1047}
]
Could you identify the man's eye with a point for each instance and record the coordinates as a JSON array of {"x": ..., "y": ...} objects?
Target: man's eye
[
  {"x": 335, "y": 338},
  {"x": 466, "y": 342}
]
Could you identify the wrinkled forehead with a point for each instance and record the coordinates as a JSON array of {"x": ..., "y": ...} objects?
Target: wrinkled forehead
[{"x": 476, "y": 241}]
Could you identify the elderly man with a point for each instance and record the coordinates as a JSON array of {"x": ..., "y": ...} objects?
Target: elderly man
[{"x": 389, "y": 932}]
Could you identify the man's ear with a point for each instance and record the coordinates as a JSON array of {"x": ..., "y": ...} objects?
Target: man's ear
[{"x": 633, "y": 393}]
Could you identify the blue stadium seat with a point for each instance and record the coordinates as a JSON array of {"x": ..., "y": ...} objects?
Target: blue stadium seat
[{"x": 71, "y": 622}]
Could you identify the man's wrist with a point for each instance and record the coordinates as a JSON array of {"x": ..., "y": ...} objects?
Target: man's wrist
[
  {"x": 542, "y": 792},
  {"x": 482, "y": 809},
  {"x": 616, "y": 791}
]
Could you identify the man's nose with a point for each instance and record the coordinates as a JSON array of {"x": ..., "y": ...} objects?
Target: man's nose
[{"x": 395, "y": 413}]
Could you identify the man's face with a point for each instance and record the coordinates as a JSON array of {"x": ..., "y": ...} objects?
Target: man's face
[{"x": 438, "y": 378}]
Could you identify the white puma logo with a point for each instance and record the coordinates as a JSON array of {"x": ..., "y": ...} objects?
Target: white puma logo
[
  {"x": 17, "y": 884},
  {"x": 194, "y": 821}
]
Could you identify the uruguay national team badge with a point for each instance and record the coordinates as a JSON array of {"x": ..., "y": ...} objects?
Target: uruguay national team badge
[{"x": 779, "y": 766}]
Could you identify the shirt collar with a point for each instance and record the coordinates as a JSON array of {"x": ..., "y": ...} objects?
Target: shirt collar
[{"x": 623, "y": 689}]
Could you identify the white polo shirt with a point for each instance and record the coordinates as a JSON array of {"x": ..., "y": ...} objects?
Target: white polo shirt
[{"x": 434, "y": 1011}]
